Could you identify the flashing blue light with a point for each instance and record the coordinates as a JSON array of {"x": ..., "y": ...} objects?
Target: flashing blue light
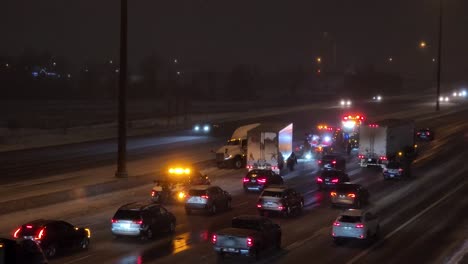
[{"x": 35, "y": 74}]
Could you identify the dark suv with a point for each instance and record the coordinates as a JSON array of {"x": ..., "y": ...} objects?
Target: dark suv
[
  {"x": 329, "y": 178},
  {"x": 349, "y": 194},
  {"x": 142, "y": 220},
  {"x": 257, "y": 180},
  {"x": 332, "y": 161},
  {"x": 280, "y": 199},
  {"x": 23, "y": 251}
]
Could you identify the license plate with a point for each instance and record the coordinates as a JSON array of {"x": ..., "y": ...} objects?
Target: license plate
[
  {"x": 369, "y": 160},
  {"x": 252, "y": 180},
  {"x": 269, "y": 204},
  {"x": 125, "y": 226},
  {"x": 327, "y": 179},
  {"x": 230, "y": 249},
  {"x": 342, "y": 196}
]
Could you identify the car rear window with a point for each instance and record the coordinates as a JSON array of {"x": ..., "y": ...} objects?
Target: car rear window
[
  {"x": 32, "y": 231},
  {"x": 328, "y": 157},
  {"x": 127, "y": 215},
  {"x": 255, "y": 174},
  {"x": 272, "y": 194},
  {"x": 247, "y": 224},
  {"x": 350, "y": 219},
  {"x": 346, "y": 188},
  {"x": 330, "y": 174},
  {"x": 197, "y": 192}
]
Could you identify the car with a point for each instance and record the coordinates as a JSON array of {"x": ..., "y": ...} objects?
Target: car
[
  {"x": 142, "y": 219},
  {"x": 21, "y": 251},
  {"x": 349, "y": 194},
  {"x": 425, "y": 134},
  {"x": 207, "y": 198},
  {"x": 345, "y": 102},
  {"x": 329, "y": 178},
  {"x": 377, "y": 98},
  {"x": 280, "y": 199},
  {"x": 355, "y": 224},
  {"x": 204, "y": 128},
  {"x": 332, "y": 161},
  {"x": 395, "y": 169},
  {"x": 54, "y": 236},
  {"x": 257, "y": 180}
]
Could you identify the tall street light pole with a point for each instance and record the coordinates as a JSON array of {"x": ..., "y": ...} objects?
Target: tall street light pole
[
  {"x": 122, "y": 137},
  {"x": 439, "y": 55}
]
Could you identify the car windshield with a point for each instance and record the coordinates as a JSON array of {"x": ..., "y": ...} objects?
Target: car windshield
[
  {"x": 197, "y": 192},
  {"x": 233, "y": 142},
  {"x": 127, "y": 215},
  {"x": 272, "y": 194},
  {"x": 349, "y": 219}
]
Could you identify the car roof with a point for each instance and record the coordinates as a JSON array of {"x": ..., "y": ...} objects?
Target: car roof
[
  {"x": 137, "y": 206},
  {"x": 201, "y": 187},
  {"x": 331, "y": 172},
  {"x": 347, "y": 185},
  {"x": 353, "y": 212}
]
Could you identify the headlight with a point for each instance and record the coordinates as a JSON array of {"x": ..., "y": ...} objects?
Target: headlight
[
  {"x": 446, "y": 99},
  {"x": 181, "y": 195},
  {"x": 454, "y": 94},
  {"x": 196, "y": 128},
  {"x": 348, "y": 102},
  {"x": 308, "y": 156},
  {"x": 327, "y": 139},
  {"x": 379, "y": 98},
  {"x": 342, "y": 102},
  {"x": 206, "y": 128},
  {"x": 441, "y": 98}
]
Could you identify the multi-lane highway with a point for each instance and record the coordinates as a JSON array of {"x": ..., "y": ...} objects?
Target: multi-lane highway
[{"x": 423, "y": 219}]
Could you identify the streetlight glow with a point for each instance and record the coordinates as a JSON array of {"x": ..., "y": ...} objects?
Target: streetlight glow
[
  {"x": 422, "y": 44},
  {"x": 319, "y": 59}
]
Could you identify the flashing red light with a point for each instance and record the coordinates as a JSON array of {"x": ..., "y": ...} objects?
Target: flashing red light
[
  {"x": 351, "y": 195},
  {"x": 319, "y": 179},
  {"x": 214, "y": 238},
  {"x": 259, "y": 206},
  {"x": 333, "y": 194},
  {"x": 358, "y": 117},
  {"x": 262, "y": 180},
  {"x": 245, "y": 180},
  {"x": 335, "y": 180},
  {"x": 250, "y": 242},
  {"x": 205, "y": 197},
  {"x": 41, "y": 234},
  {"x": 336, "y": 223},
  {"x": 345, "y": 118},
  {"x": 359, "y": 225},
  {"x": 113, "y": 220},
  {"x": 334, "y": 162},
  {"x": 15, "y": 235},
  {"x": 138, "y": 222},
  {"x": 350, "y": 117},
  {"x": 373, "y": 125}
]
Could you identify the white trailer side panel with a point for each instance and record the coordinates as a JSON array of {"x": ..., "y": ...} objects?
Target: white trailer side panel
[{"x": 285, "y": 141}]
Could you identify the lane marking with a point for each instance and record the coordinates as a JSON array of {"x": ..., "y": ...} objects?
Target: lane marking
[
  {"x": 458, "y": 256},
  {"x": 79, "y": 259},
  {"x": 414, "y": 218}
]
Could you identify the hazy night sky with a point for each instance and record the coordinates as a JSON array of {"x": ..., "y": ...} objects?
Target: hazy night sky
[{"x": 273, "y": 34}]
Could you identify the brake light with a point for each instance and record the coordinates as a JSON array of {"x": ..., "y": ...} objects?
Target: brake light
[
  {"x": 249, "y": 167},
  {"x": 274, "y": 168},
  {"x": 245, "y": 180},
  {"x": 319, "y": 179},
  {"x": 351, "y": 195},
  {"x": 419, "y": 133},
  {"x": 205, "y": 197},
  {"x": 153, "y": 193},
  {"x": 334, "y": 162},
  {"x": 29, "y": 226},
  {"x": 214, "y": 238},
  {"x": 40, "y": 234},
  {"x": 280, "y": 207},
  {"x": 250, "y": 242},
  {"x": 359, "y": 225},
  {"x": 259, "y": 206},
  {"x": 113, "y": 220},
  {"x": 400, "y": 170},
  {"x": 15, "y": 235},
  {"x": 383, "y": 158},
  {"x": 319, "y": 162},
  {"x": 428, "y": 133},
  {"x": 361, "y": 156},
  {"x": 333, "y": 194},
  {"x": 335, "y": 180},
  {"x": 336, "y": 223},
  {"x": 262, "y": 180},
  {"x": 138, "y": 222}
]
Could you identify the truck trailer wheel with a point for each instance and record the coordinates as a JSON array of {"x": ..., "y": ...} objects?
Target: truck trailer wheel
[{"x": 237, "y": 163}]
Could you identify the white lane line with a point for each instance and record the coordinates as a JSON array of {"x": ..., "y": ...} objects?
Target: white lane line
[
  {"x": 79, "y": 259},
  {"x": 458, "y": 256},
  {"x": 365, "y": 252}
]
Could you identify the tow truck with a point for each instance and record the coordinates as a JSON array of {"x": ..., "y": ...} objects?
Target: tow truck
[
  {"x": 323, "y": 139},
  {"x": 173, "y": 184},
  {"x": 350, "y": 124}
]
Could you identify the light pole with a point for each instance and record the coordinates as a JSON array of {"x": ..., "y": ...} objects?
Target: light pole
[
  {"x": 122, "y": 137},
  {"x": 439, "y": 55}
]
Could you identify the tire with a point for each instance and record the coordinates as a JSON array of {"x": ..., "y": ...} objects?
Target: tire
[
  {"x": 172, "y": 227},
  {"x": 50, "y": 251},
  {"x": 237, "y": 163},
  {"x": 84, "y": 244},
  {"x": 228, "y": 205}
]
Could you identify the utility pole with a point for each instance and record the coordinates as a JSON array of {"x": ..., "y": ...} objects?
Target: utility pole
[
  {"x": 122, "y": 137},
  {"x": 439, "y": 55}
]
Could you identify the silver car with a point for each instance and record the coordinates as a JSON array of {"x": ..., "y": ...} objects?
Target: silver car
[{"x": 355, "y": 224}]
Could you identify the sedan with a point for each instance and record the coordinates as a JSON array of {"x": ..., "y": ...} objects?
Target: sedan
[{"x": 54, "y": 235}]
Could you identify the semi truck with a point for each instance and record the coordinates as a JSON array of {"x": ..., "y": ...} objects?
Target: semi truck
[
  {"x": 233, "y": 154},
  {"x": 268, "y": 146},
  {"x": 389, "y": 139}
]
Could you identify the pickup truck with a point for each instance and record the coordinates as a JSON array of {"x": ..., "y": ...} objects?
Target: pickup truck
[{"x": 247, "y": 236}]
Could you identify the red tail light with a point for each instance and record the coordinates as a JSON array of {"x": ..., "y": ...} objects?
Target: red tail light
[
  {"x": 214, "y": 238},
  {"x": 336, "y": 223},
  {"x": 138, "y": 222},
  {"x": 29, "y": 226},
  {"x": 361, "y": 156},
  {"x": 245, "y": 180},
  {"x": 419, "y": 133},
  {"x": 333, "y": 194},
  {"x": 259, "y": 206},
  {"x": 319, "y": 179},
  {"x": 334, "y": 162},
  {"x": 15, "y": 235},
  {"x": 359, "y": 225},
  {"x": 40, "y": 234},
  {"x": 351, "y": 195},
  {"x": 335, "y": 180},
  {"x": 400, "y": 170},
  {"x": 274, "y": 168},
  {"x": 249, "y": 167},
  {"x": 153, "y": 193},
  {"x": 280, "y": 207},
  {"x": 383, "y": 158},
  {"x": 427, "y": 133},
  {"x": 205, "y": 197},
  {"x": 250, "y": 242},
  {"x": 262, "y": 180},
  {"x": 113, "y": 220},
  {"x": 319, "y": 162}
]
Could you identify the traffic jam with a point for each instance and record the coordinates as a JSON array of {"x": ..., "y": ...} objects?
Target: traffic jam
[{"x": 267, "y": 153}]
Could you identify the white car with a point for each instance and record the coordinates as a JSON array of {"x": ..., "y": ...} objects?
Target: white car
[
  {"x": 345, "y": 102},
  {"x": 355, "y": 224}
]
